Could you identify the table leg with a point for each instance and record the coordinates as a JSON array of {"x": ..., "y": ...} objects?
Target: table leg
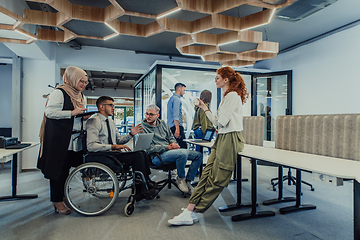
[
  {"x": 280, "y": 198},
  {"x": 253, "y": 213},
  {"x": 238, "y": 203},
  {"x": 356, "y": 209},
  {"x": 14, "y": 196},
  {"x": 298, "y": 206}
]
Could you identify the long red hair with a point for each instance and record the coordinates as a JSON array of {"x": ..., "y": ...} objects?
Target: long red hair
[{"x": 236, "y": 82}]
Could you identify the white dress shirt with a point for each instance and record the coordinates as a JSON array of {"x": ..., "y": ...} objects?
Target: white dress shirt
[
  {"x": 53, "y": 110},
  {"x": 229, "y": 116},
  {"x": 97, "y": 134}
]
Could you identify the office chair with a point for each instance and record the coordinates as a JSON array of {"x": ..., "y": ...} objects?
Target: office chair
[
  {"x": 166, "y": 167},
  {"x": 291, "y": 180}
]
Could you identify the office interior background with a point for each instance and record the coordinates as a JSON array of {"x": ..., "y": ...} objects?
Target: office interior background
[{"x": 319, "y": 50}]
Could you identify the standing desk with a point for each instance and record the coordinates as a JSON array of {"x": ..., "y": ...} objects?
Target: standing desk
[
  {"x": 14, "y": 164},
  {"x": 337, "y": 167}
]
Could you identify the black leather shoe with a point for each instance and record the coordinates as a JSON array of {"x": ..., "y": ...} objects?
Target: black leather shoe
[{"x": 151, "y": 194}]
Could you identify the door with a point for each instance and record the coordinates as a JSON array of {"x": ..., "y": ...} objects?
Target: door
[{"x": 273, "y": 99}]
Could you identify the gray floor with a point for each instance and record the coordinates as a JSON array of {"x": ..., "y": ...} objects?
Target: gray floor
[{"x": 35, "y": 219}]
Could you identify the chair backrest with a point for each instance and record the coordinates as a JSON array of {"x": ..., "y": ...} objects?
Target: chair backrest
[
  {"x": 333, "y": 135},
  {"x": 253, "y": 132}
]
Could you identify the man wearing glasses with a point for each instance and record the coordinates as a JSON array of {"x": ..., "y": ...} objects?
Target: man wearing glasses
[
  {"x": 102, "y": 136},
  {"x": 164, "y": 143}
]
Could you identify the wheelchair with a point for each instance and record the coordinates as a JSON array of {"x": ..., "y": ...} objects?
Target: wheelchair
[{"x": 92, "y": 188}]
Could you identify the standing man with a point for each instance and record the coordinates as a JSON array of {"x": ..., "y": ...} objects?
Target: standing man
[{"x": 174, "y": 114}]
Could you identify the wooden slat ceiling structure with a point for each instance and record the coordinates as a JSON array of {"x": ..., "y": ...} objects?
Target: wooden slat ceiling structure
[{"x": 237, "y": 46}]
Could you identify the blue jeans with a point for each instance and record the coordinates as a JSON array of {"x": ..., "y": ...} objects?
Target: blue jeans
[
  {"x": 180, "y": 156},
  {"x": 199, "y": 135}
]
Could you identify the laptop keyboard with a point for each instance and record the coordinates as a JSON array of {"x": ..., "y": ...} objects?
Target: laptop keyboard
[{"x": 18, "y": 146}]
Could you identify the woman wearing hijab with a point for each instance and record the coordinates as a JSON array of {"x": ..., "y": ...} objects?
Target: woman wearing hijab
[
  {"x": 60, "y": 149},
  {"x": 229, "y": 142},
  {"x": 201, "y": 121}
]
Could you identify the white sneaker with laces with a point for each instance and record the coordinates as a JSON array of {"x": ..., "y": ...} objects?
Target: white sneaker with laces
[
  {"x": 184, "y": 218},
  {"x": 189, "y": 186},
  {"x": 181, "y": 183}
]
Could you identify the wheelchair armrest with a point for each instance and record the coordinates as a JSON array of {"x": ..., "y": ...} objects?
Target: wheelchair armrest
[{"x": 107, "y": 154}]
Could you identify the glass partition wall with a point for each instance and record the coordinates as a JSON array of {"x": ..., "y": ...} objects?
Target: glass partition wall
[{"x": 157, "y": 86}]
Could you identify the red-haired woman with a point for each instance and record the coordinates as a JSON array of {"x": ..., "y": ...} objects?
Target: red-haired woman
[{"x": 221, "y": 162}]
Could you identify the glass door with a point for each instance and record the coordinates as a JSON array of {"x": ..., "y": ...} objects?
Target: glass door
[{"x": 273, "y": 98}]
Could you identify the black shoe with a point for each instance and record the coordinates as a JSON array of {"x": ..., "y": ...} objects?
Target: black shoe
[
  {"x": 152, "y": 184},
  {"x": 151, "y": 194}
]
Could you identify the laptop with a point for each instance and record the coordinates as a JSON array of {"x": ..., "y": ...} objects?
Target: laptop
[
  {"x": 209, "y": 133},
  {"x": 143, "y": 142},
  {"x": 18, "y": 146}
]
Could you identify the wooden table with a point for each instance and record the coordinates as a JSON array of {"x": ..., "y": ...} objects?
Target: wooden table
[
  {"x": 331, "y": 166},
  {"x": 14, "y": 164}
]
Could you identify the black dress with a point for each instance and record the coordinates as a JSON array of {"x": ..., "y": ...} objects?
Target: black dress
[{"x": 57, "y": 136}]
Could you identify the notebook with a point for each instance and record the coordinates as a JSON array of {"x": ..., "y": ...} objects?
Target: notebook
[{"x": 209, "y": 133}]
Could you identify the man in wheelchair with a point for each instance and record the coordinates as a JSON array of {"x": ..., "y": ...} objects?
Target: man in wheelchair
[{"x": 104, "y": 139}]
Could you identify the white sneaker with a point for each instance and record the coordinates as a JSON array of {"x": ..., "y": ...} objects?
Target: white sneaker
[
  {"x": 195, "y": 217},
  {"x": 184, "y": 218},
  {"x": 181, "y": 183},
  {"x": 189, "y": 186}
]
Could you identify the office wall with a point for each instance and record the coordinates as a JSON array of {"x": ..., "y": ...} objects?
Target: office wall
[
  {"x": 5, "y": 52},
  {"x": 5, "y": 95},
  {"x": 38, "y": 74},
  {"x": 326, "y": 76}
]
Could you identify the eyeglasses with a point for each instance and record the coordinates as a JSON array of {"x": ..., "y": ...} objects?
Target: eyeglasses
[
  {"x": 110, "y": 104},
  {"x": 84, "y": 82},
  {"x": 150, "y": 114}
]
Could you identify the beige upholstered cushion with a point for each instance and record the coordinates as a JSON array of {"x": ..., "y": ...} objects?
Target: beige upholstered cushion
[
  {"x": 334, "y": 135},
  {"x": 253, "y": 132}
]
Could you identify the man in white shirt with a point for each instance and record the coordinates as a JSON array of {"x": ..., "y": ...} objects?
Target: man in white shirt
[{"x": 102, "y": 136}]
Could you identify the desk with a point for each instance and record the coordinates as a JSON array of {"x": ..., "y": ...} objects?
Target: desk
[
  {"x": 202, "y": 145},
  {"x": 14, "y": 164},
  {"x": 336, "y": 167}
]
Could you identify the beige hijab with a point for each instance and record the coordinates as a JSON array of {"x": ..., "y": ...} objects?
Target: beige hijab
[{"x": 71, "y": 78}]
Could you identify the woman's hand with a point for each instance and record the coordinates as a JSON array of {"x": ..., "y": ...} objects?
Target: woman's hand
[
  {"x": 135, "y": 130},
  {"x": 120, "y": 147},
  {"x": 202, "y": 105},
  {"x": 77, "y": 111}
]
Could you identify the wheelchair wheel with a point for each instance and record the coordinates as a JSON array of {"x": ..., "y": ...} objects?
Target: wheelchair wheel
[
  {"x": 129, "y": 209},
  {"x": 91, "y": 189}
]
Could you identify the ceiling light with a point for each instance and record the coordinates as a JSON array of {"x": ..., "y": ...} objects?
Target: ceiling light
[
  {"x": 173, "y": 11},
  {"x": 272, "y": 15},
  {"x": 112, "y": 28},
  {"x": 228, "y": 42},
  {"x": 270, "y": 18},
  {"x": 111, "y": 36},
  {"x": 266, "y": 51},
  {"x": 23, "y": 32}
]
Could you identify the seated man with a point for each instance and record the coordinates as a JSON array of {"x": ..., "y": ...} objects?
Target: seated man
[
  {"x": 164, "y": 143},
  {"x": 102, "y": 136}
]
